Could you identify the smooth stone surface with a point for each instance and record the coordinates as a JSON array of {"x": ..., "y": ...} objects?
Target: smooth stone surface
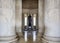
[
  {"x": 52, "y": 21},
  {"x": 7, "y": 21},
  {"x": 52, "y": 18},
  {"x": 18, "y": 15},
  {"x": 7, "y": 18},
  {"x": 41, "y": 16}
]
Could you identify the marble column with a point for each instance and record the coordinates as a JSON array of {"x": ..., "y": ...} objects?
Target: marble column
[
  {"x": 7, "y": 21},
  {"x": 40, "y": 16},
  {"x": 19, "y": 16},
  {"x": 52, "y": 21}
]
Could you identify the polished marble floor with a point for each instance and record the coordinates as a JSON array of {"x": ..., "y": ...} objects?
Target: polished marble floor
[{"x": 30, "y": 40}]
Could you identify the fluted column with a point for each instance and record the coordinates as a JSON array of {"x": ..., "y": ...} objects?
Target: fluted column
[
  {"x": 19, "y": 16},
  {"x": 40, "y": 16},
  {"x": 52, "y": 21},
  {"x": 7, "y": 21}
]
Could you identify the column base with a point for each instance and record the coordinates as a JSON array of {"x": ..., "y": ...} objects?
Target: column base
[
  {"x": 48, "y": 39},
  {"x": 8, "y": 39}
]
